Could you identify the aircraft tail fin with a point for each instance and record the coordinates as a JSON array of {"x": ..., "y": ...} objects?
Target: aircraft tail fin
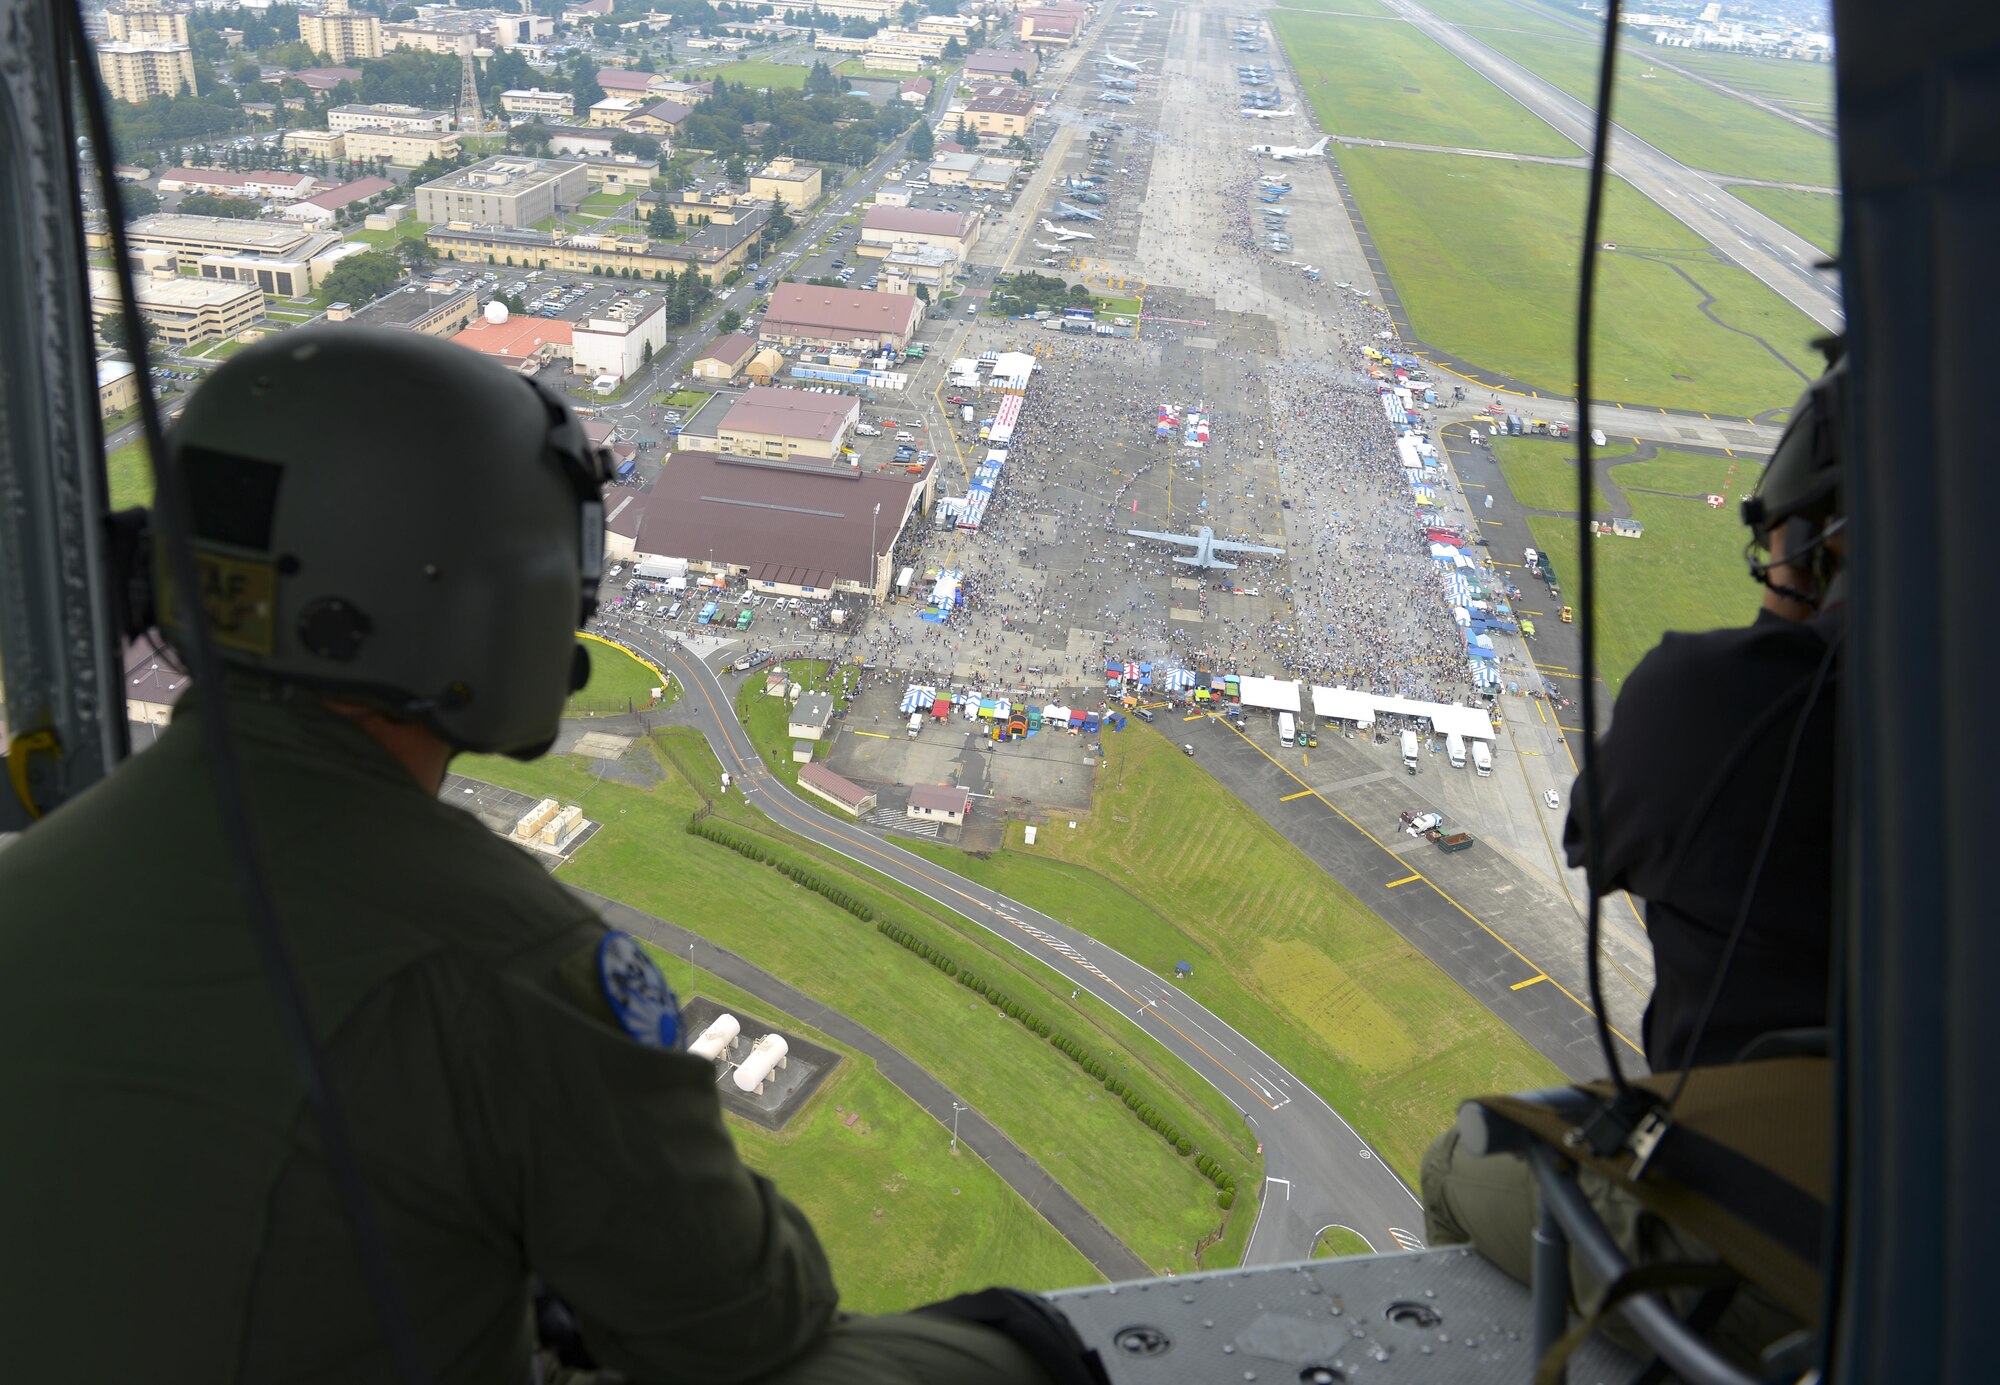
[{"x": 1319, "y": 148}]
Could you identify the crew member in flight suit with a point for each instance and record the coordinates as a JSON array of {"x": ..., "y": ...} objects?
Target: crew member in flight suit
[
  {"x": 1715, "y": 736},
  {"x": 398, "y": 540}
]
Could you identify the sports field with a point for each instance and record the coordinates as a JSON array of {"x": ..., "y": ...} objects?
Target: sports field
[
  {"x": 1387, "y": 81},
  {"x": 1168, "y": 866},
  {"x": 1150, "y": 1197},
  {"x": 903, "y": 1219},
  {"x": 761, "y": 74},
  {"x": 1686, "y": 573},
  {"x": 1483, "y": 257},
  {"x": 1814, "y": 215}
]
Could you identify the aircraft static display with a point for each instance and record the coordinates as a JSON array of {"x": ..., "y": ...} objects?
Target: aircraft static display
[
  {"x": 1205, "y": 546},
  {"x": 1113, "y": 60},
  {"x": 1060, "y": 234},
  {"x": 1284, "y": 152},
  {"x": 1069, "y": 211},
  {"x": 1266, "y": 115}
]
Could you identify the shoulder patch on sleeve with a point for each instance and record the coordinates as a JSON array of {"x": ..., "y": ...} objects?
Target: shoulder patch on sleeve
[{"x": 637, "y": 991}]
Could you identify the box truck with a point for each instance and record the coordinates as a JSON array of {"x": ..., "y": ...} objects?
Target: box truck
[
  {"x": 1287, "y": 729},
  {"x": 1454, "y": 746},
  {"x": 1410, "y": 751},
  {"x": 916, "y": 724},
  {"x": 1482, "y": 759}
]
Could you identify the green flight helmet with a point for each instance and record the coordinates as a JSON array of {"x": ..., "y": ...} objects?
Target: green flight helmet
[{"x": 387, "y": 517}]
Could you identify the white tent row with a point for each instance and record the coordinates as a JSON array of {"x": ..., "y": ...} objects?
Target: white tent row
[
  {"x": 1346, "y": 704},
  {"x": 1275, "y": 694}
]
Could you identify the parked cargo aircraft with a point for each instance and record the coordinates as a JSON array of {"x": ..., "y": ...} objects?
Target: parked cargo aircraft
[
  {"x": 1205, "y": 546},
  {"x": 1071, "y": 212},
  {"x": 1060, "y": 234},
  {"x": 1266, "y": 115},
  {"x": 1283, "y": 152},
  {"x": 1111, "y": 60}
]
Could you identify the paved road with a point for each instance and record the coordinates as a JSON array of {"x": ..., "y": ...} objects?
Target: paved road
[
  {"x": 1319, "y": 1172},
  {"x": 1025, "y": 1176},
  {"x": 1774, "y": 254}
]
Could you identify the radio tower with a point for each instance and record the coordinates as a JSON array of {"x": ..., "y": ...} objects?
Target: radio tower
[{"x": 469, "y": 117}]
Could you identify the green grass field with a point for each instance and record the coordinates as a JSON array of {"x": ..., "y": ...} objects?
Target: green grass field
[
  {"x": 130, "y": 475},
  {"x": 903, "y": 1219},
  {"x": 1387, "y": 81},
  {"x": 1805, "y": 88},
  {"x": 1168, "y": 866},
  {"x": 761, "y": 74},
  {"x": 1483, "y": 255},
  {"x": 618, "y": 683},
  {"x": 1541, "y": 472},
  {"x": 683, "y": 399},
  {"x": 1371, "y": 7},
  {"x": 1701, "y": 127},
  {"x": 1147, "y": 1195},
  {"x": 1338, "y": 1240},
  {"x": 1686, "y": 573},
  {"x": 1814, "y": 215},
  {"x": 406, "y": 229}
]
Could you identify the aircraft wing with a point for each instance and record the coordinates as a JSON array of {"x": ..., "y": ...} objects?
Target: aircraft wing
[
  {"x": 1220, "y": 546},
  {"x": 1188, "y": 540}
]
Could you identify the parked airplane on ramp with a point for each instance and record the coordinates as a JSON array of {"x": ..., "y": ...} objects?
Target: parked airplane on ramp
[
  {"x": 1205, "y": 546},
  {"x": 1071, "y": 212},
  {"x": 1060, "y": 234},
  {"x": 1052, "y": 249},
  {"x": 1266, "y": 115},
  {"x": 1142, "y": 12},
  {"x": 1115, "y": 98},
  {"x": 1111, "y": 60},
  {"x": 1282, "y": 152}
]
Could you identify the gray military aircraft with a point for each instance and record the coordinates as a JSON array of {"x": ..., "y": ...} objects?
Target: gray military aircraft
[{"x": 1205, "y": 546}]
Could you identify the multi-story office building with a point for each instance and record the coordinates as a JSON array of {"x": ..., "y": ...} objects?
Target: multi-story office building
[
  {"x": 139, "y": 71},
  {"x": 340, "y": 34}
]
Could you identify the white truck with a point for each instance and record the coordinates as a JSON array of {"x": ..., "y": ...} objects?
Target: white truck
[
  {"x": 1482, "y": 759},
  {"x": 916, "y": 724},
  {"x": 1454, "y": 746},
  {"x": 1287, "y": 728},
  {"x": 1410, "y": 751}
]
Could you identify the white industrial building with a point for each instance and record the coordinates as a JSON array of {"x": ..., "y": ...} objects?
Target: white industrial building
[{"x": 615, "y": 343}]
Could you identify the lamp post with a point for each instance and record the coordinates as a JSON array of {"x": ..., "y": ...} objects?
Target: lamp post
[{"x": 955, "y": 1109}]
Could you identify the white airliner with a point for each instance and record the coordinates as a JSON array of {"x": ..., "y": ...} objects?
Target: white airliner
[
  {"x": 1052, "y": 249},
  {"x": 1111, "y": 60},
  {"x": 1143, "y": 12},
  {"x": 1265, "y": 115},
  {"x": 1060, "y": 234},
  {"x": 1283, "y": 152}
]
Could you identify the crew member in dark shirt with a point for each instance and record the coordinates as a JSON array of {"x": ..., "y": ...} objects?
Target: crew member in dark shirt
[{"x": 1716, "y": 788}]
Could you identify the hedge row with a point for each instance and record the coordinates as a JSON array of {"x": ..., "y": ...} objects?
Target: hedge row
[
  {"x": 1006, "y": 1004},
  {"x": 918, "y": 946},
  {"x": 701, "y": 826},
  {"x": 1077, "y": 1053}
]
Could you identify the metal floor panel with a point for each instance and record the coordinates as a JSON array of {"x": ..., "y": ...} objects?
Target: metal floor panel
[{"x": 1439, "y": 1315}]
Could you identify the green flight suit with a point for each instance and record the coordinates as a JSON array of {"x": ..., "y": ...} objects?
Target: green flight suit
[{"x": 165, "y": 1211}]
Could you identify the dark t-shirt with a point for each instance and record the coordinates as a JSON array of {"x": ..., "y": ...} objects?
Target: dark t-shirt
[{"x": 1689, "y": 776}]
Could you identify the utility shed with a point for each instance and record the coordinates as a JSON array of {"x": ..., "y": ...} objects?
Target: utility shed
[
  {"x": 939, "y": 803},
  {"x": 811, "y": 715}
]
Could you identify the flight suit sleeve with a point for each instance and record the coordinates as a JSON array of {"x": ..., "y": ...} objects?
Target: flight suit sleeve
[{"x": 680, "y": 1263}]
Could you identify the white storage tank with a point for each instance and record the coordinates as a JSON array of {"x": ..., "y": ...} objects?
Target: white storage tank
[
  {"x": 718, "y": 1039},
  {"x": 765, "y": 1058}
]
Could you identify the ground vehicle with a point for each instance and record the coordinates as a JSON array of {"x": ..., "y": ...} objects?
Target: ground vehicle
[
  {"x": 707, "y": 615},
  {"x": 1454, "y": 748},
  {"x": 1142, "y": 714},
  {"x": 1457, "y": 841},
  {"x": 1187, "y": 750},
  {"x": 1287, "y": 728},
  {"x": 1410, "y": 751},
  {"x": 1551, "y": 798},
  {"x": 906, "y": 437},
  {"x": 965, "y": 413},
  {"x": 617, "y": 568},
  {"x": 1566, "y": 615},
  {"x": 867, "y": 430},
  {"x": 743, "y": 621},
  {"x": 675, "y": 612},
  {"x": 916, "y": 724},
  {"x": 1482, "y": 759},
  {"x": 1312, "y": 740},
  {"x": 1532, "y": 559}
]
